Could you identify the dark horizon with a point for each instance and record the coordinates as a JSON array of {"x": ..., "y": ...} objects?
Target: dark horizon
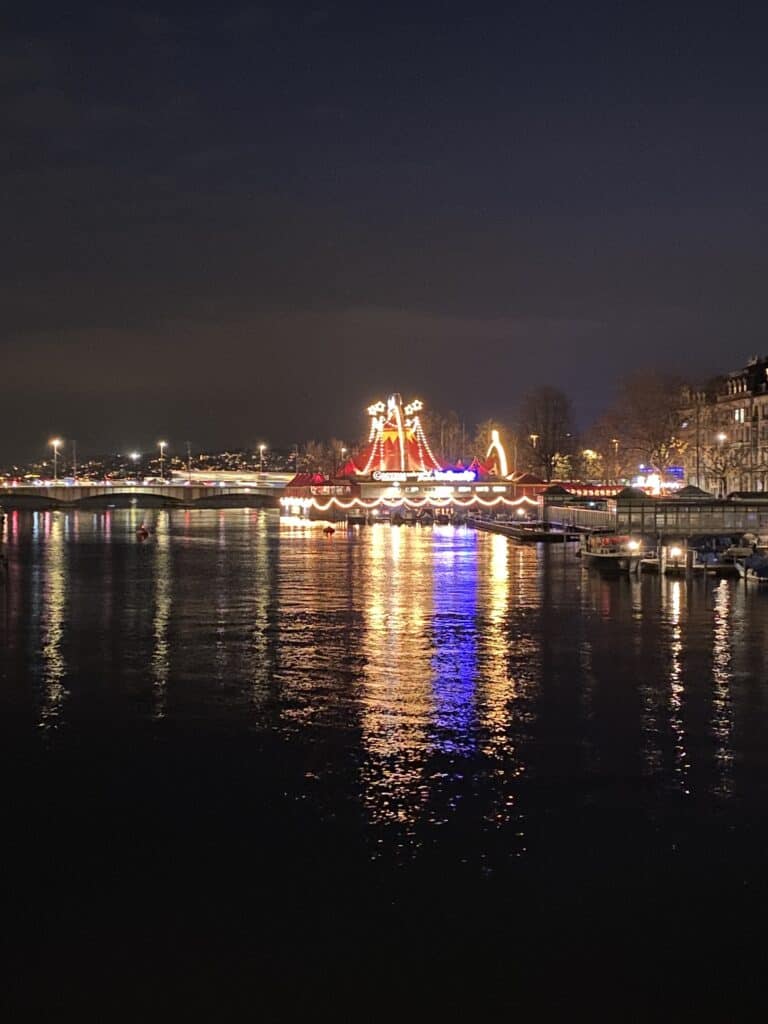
[{"x": 248, "y": 223}]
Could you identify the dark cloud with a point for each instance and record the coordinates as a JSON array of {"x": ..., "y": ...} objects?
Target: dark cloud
[{"x": 219, "y": 211}]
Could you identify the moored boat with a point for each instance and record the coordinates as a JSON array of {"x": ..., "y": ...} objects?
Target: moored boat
[
  {"x": 753, "y": 568},
  {"x": 610, "y": 552}
]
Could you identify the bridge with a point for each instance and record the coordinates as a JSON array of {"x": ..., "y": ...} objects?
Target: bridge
[{"x": 261, "y": 493}]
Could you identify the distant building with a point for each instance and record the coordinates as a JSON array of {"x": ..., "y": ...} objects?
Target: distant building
[{"x": 725, "y": 425}]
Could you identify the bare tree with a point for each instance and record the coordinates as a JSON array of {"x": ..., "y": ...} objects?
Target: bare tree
[
  {"x": 606, "y": 437},
  {"x": 647, "y": 420},
  {"x": 545, "y": 427},
  {"x": 314, "y": 457},
  {"x": 726, "y": 464},
  {"x": 445, "y": 434}
]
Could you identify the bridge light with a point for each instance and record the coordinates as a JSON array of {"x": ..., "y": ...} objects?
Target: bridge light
[{"x": 56, "y": 444}]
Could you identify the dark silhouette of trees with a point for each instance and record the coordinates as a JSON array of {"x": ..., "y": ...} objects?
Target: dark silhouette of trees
[
  {"x": 645, "y": 420},
  {"x": 545, "y": 429}
]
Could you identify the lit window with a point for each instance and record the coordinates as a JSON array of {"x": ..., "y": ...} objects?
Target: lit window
[{"x": 498, "y": 490}]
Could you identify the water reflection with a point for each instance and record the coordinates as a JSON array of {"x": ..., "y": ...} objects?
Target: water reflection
[
  {"x": 454, "y": 640},
  {"x": 672, "y": 598},
  {"x": 445, "y": 683},
  {"x": 497, "y": 686},
  {"x": 397, "y": 702},
  {"x": 53, "y": 599},
  {"x": 450, "y": 673},
  {"x": 162, "y": 578},
  {"x": 722, "y": 723}
]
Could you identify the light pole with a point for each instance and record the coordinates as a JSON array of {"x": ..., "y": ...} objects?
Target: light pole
[
  {"x": 56, "y": 443},
  {"x": 135, "y": 456},
  {"x": 162, "y": 445},
  {"x": 615, "y": 443},
  {"x": 343, "y": 453},
  {"x": 261, "y": 457},
  {"x": 721, "y": 438}
]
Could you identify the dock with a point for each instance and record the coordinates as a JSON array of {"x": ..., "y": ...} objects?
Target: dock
[{"x": 525, "y": 533}]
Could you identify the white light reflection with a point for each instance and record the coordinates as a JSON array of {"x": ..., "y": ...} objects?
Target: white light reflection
[
  {"x": 722, "y": 673},
  {"x": 52, "y": 620},
  {"x": 260, "y": 651},
  {"x": 498, "y": 688},
  {"x": 163, "y": 590},
  {"x": 498, "y": 696},
  {"x": 222, "y": 599},
  {"x": 397, "y": 705},
  {"x": 673, "y": 594}
]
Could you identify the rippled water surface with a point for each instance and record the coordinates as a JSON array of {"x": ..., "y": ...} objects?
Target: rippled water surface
[{"x": 242, "y": 752}]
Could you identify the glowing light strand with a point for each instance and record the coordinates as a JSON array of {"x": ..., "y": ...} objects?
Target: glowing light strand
[
  {"x": 389, "y": 416},
  {"x": 400, "y": 432},
  {"x": 361, "y": 503}
]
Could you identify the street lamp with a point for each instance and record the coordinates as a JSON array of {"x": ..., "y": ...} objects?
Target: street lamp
[
  {"x": 615, "y": 443},
  {"x": 343, "y": 453},
  {"x": 56, "y": 443},
  {"x": 135, "y": 456},
  {"x": 533, "y": 439},
  {"x": 261, "y": 457},
  {"x": 721, "y": 437},
  {"x": 162, "y": 445}
]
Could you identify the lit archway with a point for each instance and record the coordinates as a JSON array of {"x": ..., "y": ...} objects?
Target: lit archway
[{"x": 496, "y": 451}]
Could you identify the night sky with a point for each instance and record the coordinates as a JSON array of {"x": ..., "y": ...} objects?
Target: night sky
[{"x": 238, "y": 223}]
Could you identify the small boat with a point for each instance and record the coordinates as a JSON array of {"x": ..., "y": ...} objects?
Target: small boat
[
  {"x": 753, "y": 568},
  {"x": 328, "y": 531},
  {"x": 610, "y": 552},
  {"x": 142, "y": 532}
]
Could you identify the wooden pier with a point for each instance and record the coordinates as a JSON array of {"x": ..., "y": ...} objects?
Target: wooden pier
[{"x": 525, "y": 533}]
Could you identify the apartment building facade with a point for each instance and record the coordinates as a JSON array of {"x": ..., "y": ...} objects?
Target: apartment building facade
[{"x": 725, "y": 427}]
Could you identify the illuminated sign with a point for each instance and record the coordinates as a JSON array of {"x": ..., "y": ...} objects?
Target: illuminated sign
[
  {"x": 446, "y": 475},
  {"x": 428, "y": 476},
  {"x": 388, "y": 477}
]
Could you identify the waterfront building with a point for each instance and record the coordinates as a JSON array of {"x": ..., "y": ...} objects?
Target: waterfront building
[{"x": 725, "y": 427}]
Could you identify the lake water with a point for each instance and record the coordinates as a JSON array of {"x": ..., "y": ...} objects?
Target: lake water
[{"x": 242, "y": 757}]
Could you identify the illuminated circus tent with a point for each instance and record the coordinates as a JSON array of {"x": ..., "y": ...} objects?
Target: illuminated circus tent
[
  {"x": 397, "y": 477},
  {"x": 396, "y": 442}
]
